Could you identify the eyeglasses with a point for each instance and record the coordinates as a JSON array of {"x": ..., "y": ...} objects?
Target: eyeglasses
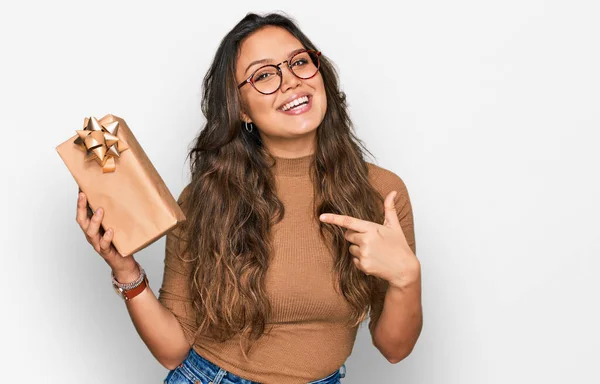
[{"x": 267, "y": 79}]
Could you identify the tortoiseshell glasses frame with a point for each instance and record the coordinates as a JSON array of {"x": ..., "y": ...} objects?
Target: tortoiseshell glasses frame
[{"x": 314, "y": 55}]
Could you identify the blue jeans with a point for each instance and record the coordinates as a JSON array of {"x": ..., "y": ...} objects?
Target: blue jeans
[{"x": 195, "y": 369}]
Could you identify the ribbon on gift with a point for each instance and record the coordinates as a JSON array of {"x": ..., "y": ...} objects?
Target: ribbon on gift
[{"x": 100, "y": 143}]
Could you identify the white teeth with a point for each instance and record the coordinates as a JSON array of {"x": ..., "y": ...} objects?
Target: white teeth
[{"x": 294, "y": 103}]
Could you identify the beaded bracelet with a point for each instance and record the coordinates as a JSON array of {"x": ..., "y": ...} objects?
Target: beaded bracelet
[{"x": 133, "y": 284}]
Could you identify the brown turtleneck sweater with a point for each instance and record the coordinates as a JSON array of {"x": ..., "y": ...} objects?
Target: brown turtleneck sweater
[{"x": 310, "y": 338}]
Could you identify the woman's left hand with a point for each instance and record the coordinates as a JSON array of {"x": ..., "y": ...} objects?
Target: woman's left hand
[{"x": 380, "y": 250}]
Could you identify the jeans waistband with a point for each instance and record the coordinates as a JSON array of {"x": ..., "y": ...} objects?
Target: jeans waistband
[{"x": 215, "y": 374}]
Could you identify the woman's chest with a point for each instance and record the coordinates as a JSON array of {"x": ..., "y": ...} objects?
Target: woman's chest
[{"x": 300, "y": 277}]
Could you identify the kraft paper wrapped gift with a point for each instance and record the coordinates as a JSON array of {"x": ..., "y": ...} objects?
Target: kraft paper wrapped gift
[{"x": 114, "y": 172}]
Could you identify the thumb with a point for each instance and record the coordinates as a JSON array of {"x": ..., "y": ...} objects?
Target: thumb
[{"x": 391, "y": 216}]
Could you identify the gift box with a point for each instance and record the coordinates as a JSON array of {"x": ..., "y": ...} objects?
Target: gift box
[{"x": 114, "y": 172}]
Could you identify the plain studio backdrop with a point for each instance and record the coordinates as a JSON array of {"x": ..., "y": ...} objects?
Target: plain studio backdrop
[{"x": 488, "y": 110}]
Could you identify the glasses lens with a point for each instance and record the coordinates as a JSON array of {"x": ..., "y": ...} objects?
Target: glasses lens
[
  {"x": 305, "y": 64},
  {"x": 266, "y": 79}
]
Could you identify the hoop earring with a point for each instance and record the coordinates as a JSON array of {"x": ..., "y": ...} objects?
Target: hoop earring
[{"x": 251, "y": 127}]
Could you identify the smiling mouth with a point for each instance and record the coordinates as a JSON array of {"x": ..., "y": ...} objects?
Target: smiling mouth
[{"x": 298, "y": 103}]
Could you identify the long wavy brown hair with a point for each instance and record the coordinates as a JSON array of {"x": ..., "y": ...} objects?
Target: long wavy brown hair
[{"x": 232, "y": 205}]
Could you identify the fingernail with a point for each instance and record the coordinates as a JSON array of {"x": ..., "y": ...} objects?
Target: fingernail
[
  {"x": 109, "y": 232},
  {"x": 323, "y": 217},
  {"x": 81, "y": 196},
  {"x": 99, "y": 211}
]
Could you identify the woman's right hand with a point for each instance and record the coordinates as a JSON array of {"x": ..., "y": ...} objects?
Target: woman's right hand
[{"x": 124, "y": 268}]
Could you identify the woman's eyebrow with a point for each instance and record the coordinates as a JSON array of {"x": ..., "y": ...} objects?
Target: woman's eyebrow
[{"x": 265, "y": 61}]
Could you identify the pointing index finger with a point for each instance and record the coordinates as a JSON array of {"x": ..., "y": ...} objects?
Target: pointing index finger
[{"x": 349, "y": 222}]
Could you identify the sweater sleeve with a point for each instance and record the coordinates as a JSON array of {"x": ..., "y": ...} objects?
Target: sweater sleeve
[
  {"x": 405, "y": 215},
  {"x": 174, "y": 293}
]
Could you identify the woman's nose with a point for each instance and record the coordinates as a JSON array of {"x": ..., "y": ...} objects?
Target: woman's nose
[{"x": 289, "y": 80}]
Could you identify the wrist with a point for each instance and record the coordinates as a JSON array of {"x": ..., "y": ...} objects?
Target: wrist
[
  {"x": 128, "y": 274},
  {"x": 128, "y": 291},
  {"x": 407, "y": 280}
]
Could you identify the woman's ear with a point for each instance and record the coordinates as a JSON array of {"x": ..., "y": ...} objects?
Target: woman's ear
[{"x": 245, "y": 118}]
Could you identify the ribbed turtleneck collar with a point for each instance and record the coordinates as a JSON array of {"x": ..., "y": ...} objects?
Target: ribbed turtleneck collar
[{"x": 297, "y": 166}]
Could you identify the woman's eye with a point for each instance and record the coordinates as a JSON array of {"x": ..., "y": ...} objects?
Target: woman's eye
[
  {"x": 299, "y": 62},
  {"x": 262, "y": 76}
]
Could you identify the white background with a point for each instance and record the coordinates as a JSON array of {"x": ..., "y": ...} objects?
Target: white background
[{"x": 487, "y": 110}]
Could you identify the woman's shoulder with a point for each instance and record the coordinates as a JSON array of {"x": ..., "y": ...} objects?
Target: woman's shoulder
[
  {"x": 184, "y": 194},
  {"x": 385, "y": 181}
]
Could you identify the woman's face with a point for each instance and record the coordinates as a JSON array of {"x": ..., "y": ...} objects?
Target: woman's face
[{"x": 285, "y": 132}]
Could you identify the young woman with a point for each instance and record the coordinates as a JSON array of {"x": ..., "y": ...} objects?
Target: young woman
[{"x": 259, "y": 285}]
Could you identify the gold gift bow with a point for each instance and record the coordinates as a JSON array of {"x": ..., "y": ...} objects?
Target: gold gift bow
[{"x": 100, "y": 143}]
